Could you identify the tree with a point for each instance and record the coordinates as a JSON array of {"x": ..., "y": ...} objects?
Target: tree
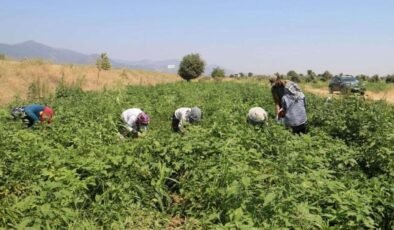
[
  {"x": 250, "y": 74},
  {"x": 362, "y": 77},
  {"x": 2, "y": 56},
  {"x": 279, "y": 76},
  {"x": 241, "y": 74},
  {"x": 326, "y": 76},
  {"x": 191, "y": 67},
  {"x": 311, "y": 76},
  {"x": 218, "y": 73},
  {"x": 293, "y": 76},
  {"x": 390, "y": 78},
  {"x": 374, "y": 78},
  {"x": 103, "y": 62}
]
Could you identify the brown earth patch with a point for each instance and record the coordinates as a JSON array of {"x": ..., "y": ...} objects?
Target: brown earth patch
[{"x": 387, "y": 96}]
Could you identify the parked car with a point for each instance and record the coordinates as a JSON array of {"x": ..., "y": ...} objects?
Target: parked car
[{"x": 346, "y": 84}]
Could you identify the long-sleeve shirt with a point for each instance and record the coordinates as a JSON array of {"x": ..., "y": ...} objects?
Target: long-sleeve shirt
[
  {"x": 33, "y": 113},
  {"x": 129, "y": 117},
  {"x": 295, "y": 110},
  {"x": 182, "y": 114}
]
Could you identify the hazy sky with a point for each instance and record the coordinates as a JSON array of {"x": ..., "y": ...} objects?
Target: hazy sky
[{"x": 260, "y": 36}]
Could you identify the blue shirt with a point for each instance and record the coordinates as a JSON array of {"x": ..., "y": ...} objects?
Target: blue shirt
[
  {"x": 295, "y": 112},
  {"x": 33, "y": 112}
]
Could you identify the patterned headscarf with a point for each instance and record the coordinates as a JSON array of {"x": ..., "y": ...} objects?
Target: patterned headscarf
[{"x": 294, "y": 90}]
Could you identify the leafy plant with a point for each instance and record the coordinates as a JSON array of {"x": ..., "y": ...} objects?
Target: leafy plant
[{"x": 220, "y": 174}]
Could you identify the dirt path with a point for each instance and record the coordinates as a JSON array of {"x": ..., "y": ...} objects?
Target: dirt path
[{"x": 386, "y": 96}]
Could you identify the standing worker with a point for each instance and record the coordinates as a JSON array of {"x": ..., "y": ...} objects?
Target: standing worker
[
  {"x": 185, "y": 115},
  {"x": 135, "y": 121},
  {"x": 33, "y": 113},
  {"x": 290, "y": 104}
]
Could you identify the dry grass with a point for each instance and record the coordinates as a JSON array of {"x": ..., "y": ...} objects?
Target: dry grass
[
  {"x": 17, "y": 76},
  {"x": 387, "y": 95}
]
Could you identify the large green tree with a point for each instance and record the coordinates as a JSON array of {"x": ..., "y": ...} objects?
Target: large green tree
[{"x": 191, "y": 67}]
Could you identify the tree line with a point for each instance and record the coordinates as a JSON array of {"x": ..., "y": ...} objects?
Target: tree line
[{"x": 192, "y": 66}]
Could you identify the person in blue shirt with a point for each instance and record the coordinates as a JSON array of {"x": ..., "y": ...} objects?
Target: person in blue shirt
[
  {"x": 290, "y": 104},
  {"x": 33, "y": 113}
]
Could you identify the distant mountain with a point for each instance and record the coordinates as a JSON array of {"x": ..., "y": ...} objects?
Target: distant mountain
[{"x": 32, "y": 49}]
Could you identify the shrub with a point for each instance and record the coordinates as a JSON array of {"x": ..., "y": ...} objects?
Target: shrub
[{"x": 218, "y": 73}]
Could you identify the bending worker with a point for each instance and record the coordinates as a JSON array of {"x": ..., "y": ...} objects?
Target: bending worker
[
  {"x": 31, "y": 114},
  {"x": 257, "y": 116},
  {"x": 135, "y": 121},
  {"x": 185, "y": 115}
]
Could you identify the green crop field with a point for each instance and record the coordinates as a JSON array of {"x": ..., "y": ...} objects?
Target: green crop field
[{"x": 223, "y": 173}]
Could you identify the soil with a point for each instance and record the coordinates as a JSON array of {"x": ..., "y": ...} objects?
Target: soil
[{"x": 387, "y": 96}]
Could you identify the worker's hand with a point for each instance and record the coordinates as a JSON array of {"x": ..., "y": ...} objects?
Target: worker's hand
[
  {"x": 141, "y": 134},
  {"x": 281, "y": 113},
  {"x": 129, "y": 129},
  {"x": 26, "y": 121},
  {"x": 182, "y": 130}
]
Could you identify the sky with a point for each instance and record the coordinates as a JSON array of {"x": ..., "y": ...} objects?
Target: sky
[{"x": 259, "y": 36}]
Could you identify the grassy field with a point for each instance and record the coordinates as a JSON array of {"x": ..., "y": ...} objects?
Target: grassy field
[
  {"x": 221, "y": 174},
  {"x": 378, "y": 87}
]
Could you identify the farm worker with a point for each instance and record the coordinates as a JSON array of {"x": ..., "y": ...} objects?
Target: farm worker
[
  {"x": 33, "y": 113},
  {"x": 290, "y": 104},
  {"x": 185, "y": 115},
  {"x": 257, "y": 116},
  {"x": 135, "y": 121}
]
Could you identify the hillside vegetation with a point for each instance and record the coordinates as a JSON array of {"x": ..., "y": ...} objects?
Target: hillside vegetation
[
  {"x": 37, "y": 78},
  {"x": 220, "y": 174}
]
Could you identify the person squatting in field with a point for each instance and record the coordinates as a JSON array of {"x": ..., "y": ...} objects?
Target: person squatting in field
[
  {"x": 257, "y": 116},
  {"x": 135, "y": 122},
  {"x": 290, "y": 104},
  {"x": 31, "y": 114},
  {"x": 183, "y": 116}
]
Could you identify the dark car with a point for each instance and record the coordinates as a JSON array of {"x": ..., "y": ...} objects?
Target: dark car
[{"x": 346, "y": 84}]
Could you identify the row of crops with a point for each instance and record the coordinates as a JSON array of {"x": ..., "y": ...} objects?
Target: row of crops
[{"x": 223, "y": 173}]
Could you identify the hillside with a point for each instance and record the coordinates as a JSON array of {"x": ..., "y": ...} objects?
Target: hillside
[
  {"x": 17, "y": 76},
  {"x": 35, "y": 50},
  {"x": 32, "y": 49}
]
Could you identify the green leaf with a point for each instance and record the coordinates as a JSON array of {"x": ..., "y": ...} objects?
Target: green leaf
[{"x": 269, "y": 198}]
